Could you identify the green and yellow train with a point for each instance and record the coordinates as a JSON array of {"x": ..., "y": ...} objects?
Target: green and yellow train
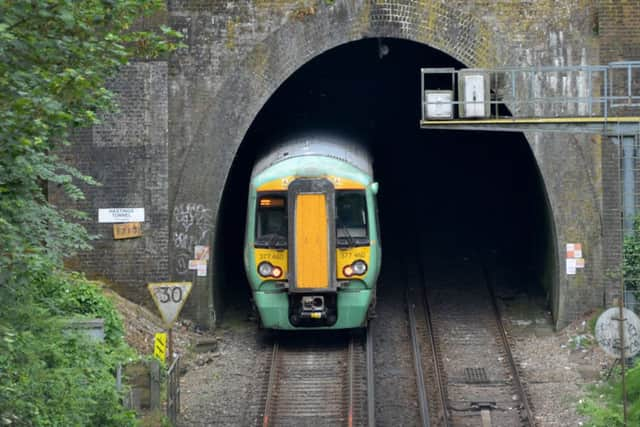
[{"x": 312, "y": 249}]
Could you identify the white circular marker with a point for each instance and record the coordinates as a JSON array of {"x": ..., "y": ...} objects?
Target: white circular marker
[{"x": 608, "y": 332}]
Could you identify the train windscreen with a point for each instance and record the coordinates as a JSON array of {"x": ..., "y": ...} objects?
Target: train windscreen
[
  {"x": 271, "y": 222},
  {"x": 351, "y": 219}
]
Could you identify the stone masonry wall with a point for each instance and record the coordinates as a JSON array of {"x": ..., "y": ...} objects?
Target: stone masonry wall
[
  {"x": 240, "y": 52},
  {"x": 182, "y": 124}
]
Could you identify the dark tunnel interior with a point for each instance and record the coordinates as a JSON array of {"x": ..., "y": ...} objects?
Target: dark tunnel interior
[{"x": 465, "y": 193}]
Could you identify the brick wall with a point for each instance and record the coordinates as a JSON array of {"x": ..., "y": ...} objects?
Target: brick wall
[
  {"x": 127, "y": 154},
  {"x": 172, "y": 147},
  {"x": 618, "y": 27},
  {"x": 242, "y": 51}
]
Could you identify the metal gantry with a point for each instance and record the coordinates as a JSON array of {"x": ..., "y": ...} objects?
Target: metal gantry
[{"x": 581, "y": 99}]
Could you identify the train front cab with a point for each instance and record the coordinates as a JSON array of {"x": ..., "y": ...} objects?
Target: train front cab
[{"x": 315, "y": 253}]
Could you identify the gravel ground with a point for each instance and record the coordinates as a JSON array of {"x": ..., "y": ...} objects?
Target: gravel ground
[
  {"x": 215, "y": 390},
  {"x": 224, "y": 387},
  {"x": 395, "y": 387},
  {"x": 556, "y": 368},
  {"x": 218, "y": 386},
  {"x": 141, "y": 325}
]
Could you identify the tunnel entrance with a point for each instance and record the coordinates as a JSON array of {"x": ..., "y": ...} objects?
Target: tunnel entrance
[{"x": 464, "y": 194}]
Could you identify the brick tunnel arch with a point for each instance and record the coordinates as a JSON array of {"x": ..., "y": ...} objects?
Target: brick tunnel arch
[{"x": 208, "y": 163}]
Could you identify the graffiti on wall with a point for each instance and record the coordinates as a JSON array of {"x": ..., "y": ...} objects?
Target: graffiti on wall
[{"x": 192, "y": 224}]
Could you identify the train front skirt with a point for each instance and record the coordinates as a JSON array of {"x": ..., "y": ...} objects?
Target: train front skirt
[{"x": 352, "y": 308}]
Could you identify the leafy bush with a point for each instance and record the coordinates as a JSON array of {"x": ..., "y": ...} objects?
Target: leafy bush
[
  {"x": 56, "y": 57},
  {"x": 49, "y": 376},
  {"x": 631, "y": 260},
  {"x": 604, "y": 403},
  {"x": 74, "y": 295}
]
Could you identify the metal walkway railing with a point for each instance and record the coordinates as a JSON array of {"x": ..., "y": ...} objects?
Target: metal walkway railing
[{"x": 537, "y": 98}]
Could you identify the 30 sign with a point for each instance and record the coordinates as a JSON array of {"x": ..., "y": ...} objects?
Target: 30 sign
[
  {"x": 167, "y": 294},
  {"x": 169, "y": 298}
]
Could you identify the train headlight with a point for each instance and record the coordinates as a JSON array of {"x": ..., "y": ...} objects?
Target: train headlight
[
  {"x": 359, "y": 267},
  {"x": 265, "y": 269}
]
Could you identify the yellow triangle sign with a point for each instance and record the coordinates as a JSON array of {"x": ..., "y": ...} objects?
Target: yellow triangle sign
[{"x": 169, "y": 298}]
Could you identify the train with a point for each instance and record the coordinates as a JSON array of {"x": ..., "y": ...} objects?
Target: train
[{"x": 312, "y": 250}]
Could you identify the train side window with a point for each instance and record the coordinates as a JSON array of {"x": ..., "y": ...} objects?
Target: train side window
[
  {"x": 271, "y": 222},
  {"x": 351, "y": 218}
]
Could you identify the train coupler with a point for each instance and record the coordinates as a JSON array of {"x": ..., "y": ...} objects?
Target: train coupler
[{"x": 312, "y": 310}]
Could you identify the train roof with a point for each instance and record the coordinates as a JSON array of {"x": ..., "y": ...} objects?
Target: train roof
[{"x": 333, "y": 147}]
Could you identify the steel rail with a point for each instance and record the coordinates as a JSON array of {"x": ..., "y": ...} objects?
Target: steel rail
[
  {"x": 417, "y": 361},
  {"x": 434, "y": 354},
  {"x": 440, "y": 385},
  {"x": 505, "y": 342},
  {"x": 371, "y": 404},
  {"x": 271, "y": 386},
  {"x": 351, "y": 377}
]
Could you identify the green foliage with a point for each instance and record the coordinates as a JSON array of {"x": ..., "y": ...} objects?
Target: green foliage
[
  {"x": 604, "y": 403},
  {"x": 591, "y": 323},
  {"x": 48, "y": 375},
  {"x": 581, "y": 341},
  {"x": 73, "y": 294},
  {"x": 603, "y": 406},
  {"x": 56, "y": 56},
  {"x": 631, "y": 262}
]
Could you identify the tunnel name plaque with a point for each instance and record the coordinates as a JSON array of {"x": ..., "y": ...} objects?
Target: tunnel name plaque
[
  {"x": 608, "y": 332},
  {"x": 116, "y": 215}
]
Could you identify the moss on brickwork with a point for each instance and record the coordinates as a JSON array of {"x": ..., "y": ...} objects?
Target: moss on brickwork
[
  {"x": 240, "y": 51},
  {"x": 259, "y": 59},
  {"x": 362, "y": 21},
  {"x": 267, "y": 37},
  {"x": 230, "y": 42},
  {"x": 302, "y": 12}
]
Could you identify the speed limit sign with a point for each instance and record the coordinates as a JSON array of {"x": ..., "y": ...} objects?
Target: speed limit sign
[{"x": 169, "y": 298}]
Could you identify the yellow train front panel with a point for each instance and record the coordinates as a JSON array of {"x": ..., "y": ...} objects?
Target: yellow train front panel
[{"x": 311, "y": 241}]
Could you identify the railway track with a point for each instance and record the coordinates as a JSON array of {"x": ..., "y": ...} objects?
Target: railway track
[
  {"x": 325, "y": 379},
  {"x": 463, "y": 371},
  {"x": 462, "y": 352}
]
